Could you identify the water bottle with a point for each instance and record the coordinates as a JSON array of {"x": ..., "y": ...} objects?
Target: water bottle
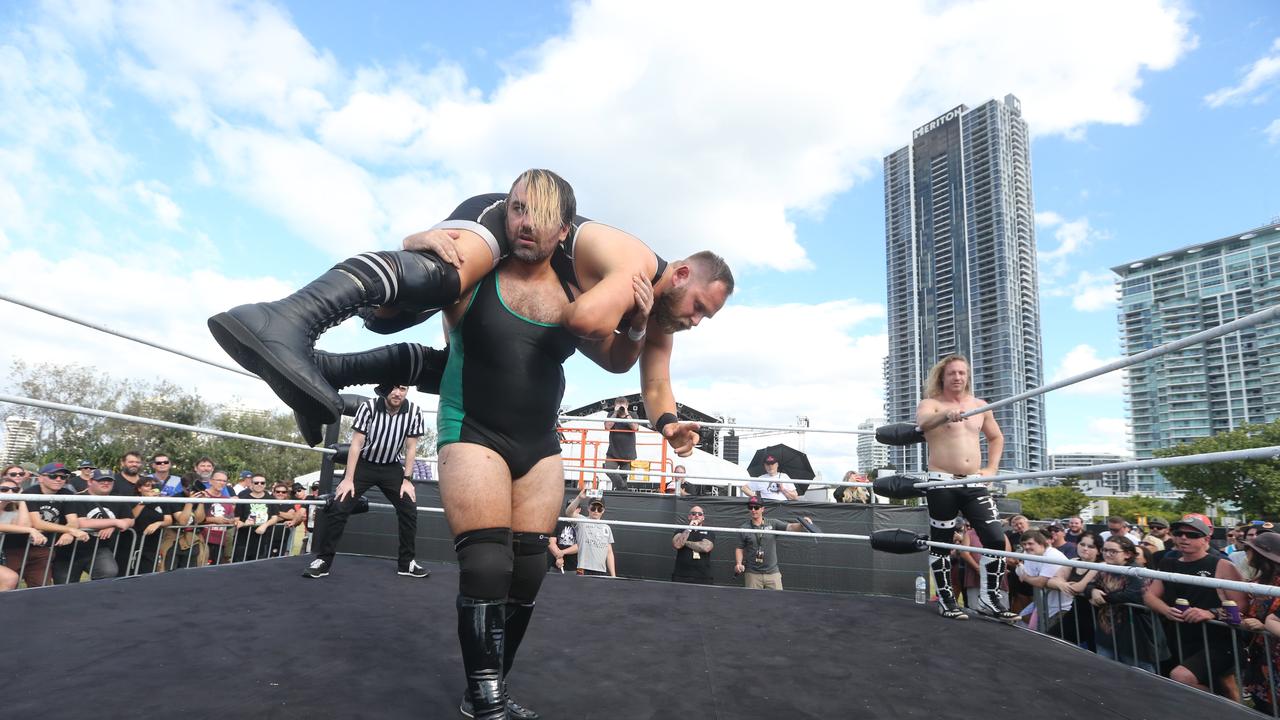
[{"x": 922, "y": 590}]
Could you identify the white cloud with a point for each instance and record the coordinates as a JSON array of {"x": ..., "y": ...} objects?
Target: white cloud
[
  {"x": 1090, "y": 292},
  {"x": 719, "y": 119},
  {"x": 1072, "y": 237},
  {"x": 155, "y": 197},
  {"x": 1273, "y": 131},
  {"x": 1083, "y": 358},
  {"x": 1100, "y": 435},
  {"x": 1254, "y": 86},
  {"x": 177, "y": 321}
]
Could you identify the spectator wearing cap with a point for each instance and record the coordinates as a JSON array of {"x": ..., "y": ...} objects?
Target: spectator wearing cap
[
  {"x": 622, "y": 443},
  {"x": 1239, "y": 557},
  {"x": 149, "y": 522},
  {"x": 1152, "y": 551},
  {"x": 756, "y": 555},
  {"x": 109, "y": 543},
  {"x": 772, "y": 485},
  {"x": 693, "y": 548},
  {"x": 84, "y": 475},
  {"x": 1159, "y": 527},
  {"x": 15, "y": 534},
  {"x": 55, "y": 517},
  {"x": 1201, "y": 647},
  {"x": 1058, "y": 540},
  {"x": 1258, "y": 614},
  {"x": 595, "y": 540},
  {"x": 245, "y": 483}
]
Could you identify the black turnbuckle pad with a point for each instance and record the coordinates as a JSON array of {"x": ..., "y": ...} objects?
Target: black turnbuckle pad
[
  {"x": 899, "y": 434},
  {"x": 898, "y": 487},
  {"x": 898, "y": 541},
  {"x": 340, "y": 451}
]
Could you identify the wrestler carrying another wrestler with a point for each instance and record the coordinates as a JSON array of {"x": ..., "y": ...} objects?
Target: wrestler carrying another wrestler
[{"x": 955, "y": 453}]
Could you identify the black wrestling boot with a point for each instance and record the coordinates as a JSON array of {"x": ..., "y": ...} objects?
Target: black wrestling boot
[
  {"x": 948, "y": 607},
  {"x": 401, "y": 364},
  {"x": 274, "y": 340},
  {"x": 482, "y": 636},
  {"x": 990, "y": 603}
]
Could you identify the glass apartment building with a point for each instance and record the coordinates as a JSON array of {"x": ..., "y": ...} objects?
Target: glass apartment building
[
  {"x": 1214, "y": 386},
  {"x": 961, "y": 253}
]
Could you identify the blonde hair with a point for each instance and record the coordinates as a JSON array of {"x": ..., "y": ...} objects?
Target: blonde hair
[
  {"x": 550, "y": 198},
  {"x": 933, "y": 383}
]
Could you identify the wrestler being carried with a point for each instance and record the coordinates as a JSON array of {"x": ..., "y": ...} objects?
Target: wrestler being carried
[{"x": 955, "y": 453}]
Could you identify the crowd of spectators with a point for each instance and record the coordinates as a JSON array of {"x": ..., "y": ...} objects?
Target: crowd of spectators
[{"x": 97, "y": 532}]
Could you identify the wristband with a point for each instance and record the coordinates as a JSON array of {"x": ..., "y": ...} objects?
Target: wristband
[
  {"x": 664, "y": 420},
  {"x": 636, "y": 336}
]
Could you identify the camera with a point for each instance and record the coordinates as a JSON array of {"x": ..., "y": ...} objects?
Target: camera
[
  {"x": 595, "y": 494},
  {"x": 620, "y": 411}
]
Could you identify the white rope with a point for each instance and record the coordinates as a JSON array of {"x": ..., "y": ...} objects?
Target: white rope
[
  {"x": 1133, "y": 570},
  {"x": 1263, "y": 453},
  {"x": 720, "y": 479},
  {"x": 1240, "y": 324},
  {"x": 136, "y": 500},
  {"x": 103, "y": 328},
  {"x": 713, "y": 425},
  {"x": 31, "y": 402}
]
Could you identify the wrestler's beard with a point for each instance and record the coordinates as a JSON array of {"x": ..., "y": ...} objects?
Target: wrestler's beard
[
  {"x": 664, "y": 311},
  {"x": 535, "y": 254},
  {"x": 128, "y": 472}
]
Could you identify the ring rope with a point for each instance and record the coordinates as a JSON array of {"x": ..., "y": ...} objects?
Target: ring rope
[
  {"x": 1225, "y": 329},
  {"x": 31, "y": 402},
  {"x": 1132, "y": 570},
  {"x": 715, "y": 425},
  {"x": 162, "y": 500},
  {"x": 724, "y": 480},
  {"x": 103, "y": 328},
  {"x": 1263, "y": 453}
]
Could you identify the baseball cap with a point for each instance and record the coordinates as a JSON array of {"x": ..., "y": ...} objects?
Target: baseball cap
[
  {"x": 315, "y": 485},
  {"x": 54, "y": 468},
  {"x": 246, "y": 474},
  {"x": 1053, "y": 527},
  {"x": 1196, "y": 522},
  {"x": 769, "y": 460},
  {"x": 86, "y": 464},
  {"x": 1158, "y": 522},
  {"x": 754, "y": 502}
]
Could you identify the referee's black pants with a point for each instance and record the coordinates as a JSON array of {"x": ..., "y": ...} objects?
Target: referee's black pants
[{"x": 387, "y": 477}]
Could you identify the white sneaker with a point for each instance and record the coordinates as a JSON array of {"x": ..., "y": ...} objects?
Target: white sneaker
[
  {"x": 414, "y": 570},
  {"x": 317, "y": 569}
]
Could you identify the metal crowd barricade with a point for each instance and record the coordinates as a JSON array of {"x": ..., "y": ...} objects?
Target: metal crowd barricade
[{"x": 1082, "y": 629}]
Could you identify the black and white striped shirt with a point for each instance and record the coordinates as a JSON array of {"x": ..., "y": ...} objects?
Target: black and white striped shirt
[{"x": 384, "y": 433}]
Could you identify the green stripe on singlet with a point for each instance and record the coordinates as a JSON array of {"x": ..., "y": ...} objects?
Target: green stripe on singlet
[
  {"x": 497, "y": 286},
  {"x": 450, "y": 414}
]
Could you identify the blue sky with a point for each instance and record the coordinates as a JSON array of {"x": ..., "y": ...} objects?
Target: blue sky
[{"x": 165, "y": 160}]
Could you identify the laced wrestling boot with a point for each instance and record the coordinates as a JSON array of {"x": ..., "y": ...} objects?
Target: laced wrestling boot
[
  {"x": 948, "y": 607},
  {"x": 274, "y": 340},
  {"x": 990, "y": 602},
  {"x": 402, "y": 364}
]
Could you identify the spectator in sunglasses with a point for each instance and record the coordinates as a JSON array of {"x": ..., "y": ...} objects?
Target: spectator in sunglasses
[
  {"x": 15, "y": 533},
  {"x": 693, "y": 551},
  {"x": 253, "y": 521},
  {"x": 1201, "y": 647}
]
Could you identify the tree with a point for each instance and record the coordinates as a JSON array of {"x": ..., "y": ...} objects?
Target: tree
[
  {"x": 1253, "y": 485},
  {"x": 1048, "y": 503},
  {"x": 1131, "y": 508}
]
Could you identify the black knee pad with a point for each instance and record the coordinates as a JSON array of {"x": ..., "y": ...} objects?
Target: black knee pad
[
  {"x": 530, "y": 566},
  {"x": 426, "y": 281},
  {"x": 484, "y": 563}
]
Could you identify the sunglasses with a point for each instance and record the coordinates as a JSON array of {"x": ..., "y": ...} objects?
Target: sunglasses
[
  {"x": 279, "y": 490},
  {"x": 696, "y": 513},
  {"x": 755, "y": 509},
  {"x": 15, "y": 474},
  {"x": 1188, "y": 535},
  {"x": 9, "y": 488},
  {"x": 596, "y": 508},
  {"x": 258, "y": 483},
  {"x": 159, "y": 462}
]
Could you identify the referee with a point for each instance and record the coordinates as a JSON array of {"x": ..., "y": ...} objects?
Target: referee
[{"x": 382, "y": 426}]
